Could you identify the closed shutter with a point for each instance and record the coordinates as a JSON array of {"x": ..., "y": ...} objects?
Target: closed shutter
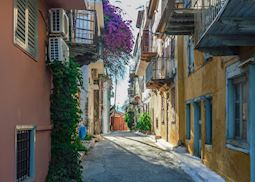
[
  {"x": 32, "y": 27},
  {"x": 20, "y": 32},
  {"x": 26, "y": 25}
]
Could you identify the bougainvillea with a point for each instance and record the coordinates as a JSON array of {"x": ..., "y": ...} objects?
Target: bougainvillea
[{"x": 117, "y": 38}]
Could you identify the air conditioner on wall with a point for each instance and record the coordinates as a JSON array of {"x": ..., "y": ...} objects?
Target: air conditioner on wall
[
  {"x": 58, "y": 50},
  {"x": 59, "y": 23}
]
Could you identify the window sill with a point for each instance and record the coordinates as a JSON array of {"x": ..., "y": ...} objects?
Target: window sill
[
  {"x": 25, "y": 52},
  {"x": 237, "y": 148},
  {"x": 30, "y": 179}
]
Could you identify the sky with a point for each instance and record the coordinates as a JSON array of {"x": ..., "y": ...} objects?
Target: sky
[{"x": 130, "y": 9}]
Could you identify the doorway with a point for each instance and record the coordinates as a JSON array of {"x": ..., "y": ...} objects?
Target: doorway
[{"x": 197, "y": 129}]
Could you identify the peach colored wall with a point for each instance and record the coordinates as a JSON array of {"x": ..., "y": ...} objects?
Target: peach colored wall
[{"x": 25, "y": 96}]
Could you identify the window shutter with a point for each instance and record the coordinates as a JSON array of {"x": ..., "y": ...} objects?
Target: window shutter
[
  {"x": 20, "y": 32},
  {"x": 26, "y": 25},
  {"x": 32, "y": 27}
]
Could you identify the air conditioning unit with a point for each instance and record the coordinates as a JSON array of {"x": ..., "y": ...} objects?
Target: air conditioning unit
[
  {"x": 59, "y": 23},
  {"x": 58, "y": 50}
]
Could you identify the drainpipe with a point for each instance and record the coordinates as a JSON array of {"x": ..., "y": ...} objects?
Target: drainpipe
[{"x": 252, "y": 119}]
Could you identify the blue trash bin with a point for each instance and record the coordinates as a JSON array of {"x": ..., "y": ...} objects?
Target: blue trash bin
[{"x": 82, "y": 132}]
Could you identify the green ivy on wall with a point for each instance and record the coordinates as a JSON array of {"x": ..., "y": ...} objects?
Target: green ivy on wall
[{"x": 65, "y": 116}]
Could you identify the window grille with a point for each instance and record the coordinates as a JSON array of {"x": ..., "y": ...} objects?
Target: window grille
[{"x": 23, "y": 155}]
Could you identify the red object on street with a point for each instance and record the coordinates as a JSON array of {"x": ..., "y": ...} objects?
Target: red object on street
[{"x": 118, "y": 123}]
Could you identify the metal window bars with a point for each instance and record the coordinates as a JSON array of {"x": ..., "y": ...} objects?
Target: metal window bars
[
  {"x": 84, "y": 26},
  {"x": 160, "y": 69},
  {"x": 23, "y": 155}
]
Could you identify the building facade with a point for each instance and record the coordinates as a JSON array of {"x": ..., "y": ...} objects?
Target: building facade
[
  {"x": 197, "y": 58},
  {"x": 25, "y": 111}
]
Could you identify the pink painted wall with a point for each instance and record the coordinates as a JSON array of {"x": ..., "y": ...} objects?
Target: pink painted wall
[{"x": 24, "y": 96}]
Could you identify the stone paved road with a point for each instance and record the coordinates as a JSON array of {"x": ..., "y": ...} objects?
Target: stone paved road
[{"x": 126, "y": 157}]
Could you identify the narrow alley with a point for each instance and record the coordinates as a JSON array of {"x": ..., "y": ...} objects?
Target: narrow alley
[
  {"x": 127, "y": 91},
  {"x": 124, "y": 157}
]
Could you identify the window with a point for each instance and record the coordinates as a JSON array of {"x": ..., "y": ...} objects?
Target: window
[
  {"x": 24, "y": 154},
  {"x": 237, "y": 108},
  {"x": 156, "y": 122},
  {"x": 162, "y": 110},
  {"x": 173, "y": 105},
  {"x": 240, "y": 108},
  {"x": 25, "y": 24},
  {"x": 208, "y": 121},
  {"x": 187, "y": 121},
  {"x": 84, "y": 23},
  {"x": 187, "y": 3},
  {"x": 207, "y": 56},
  {"x": 190, "y": 54}
]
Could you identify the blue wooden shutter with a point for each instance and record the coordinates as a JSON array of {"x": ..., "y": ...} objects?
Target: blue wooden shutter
[
  {"x": 208, "y": 122},
  {"x": 188, "y": 121}
]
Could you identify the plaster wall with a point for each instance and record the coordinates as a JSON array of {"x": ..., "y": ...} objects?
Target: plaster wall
[
  {"x": 91, "y": 88},
  {"x": 25, "y": 95},
  {"x": 209, "y": 78}
]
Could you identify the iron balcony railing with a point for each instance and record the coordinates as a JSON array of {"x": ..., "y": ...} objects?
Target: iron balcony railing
[
  {"x": 160, "y": 69},
  {"x": 147, "y": 42},
  {"x": 84, "y": 27},
  {"x": 176, "y": 18},
  {"x": 208, "y": 10}
]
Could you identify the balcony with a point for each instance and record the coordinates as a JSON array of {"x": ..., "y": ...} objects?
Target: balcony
[
  {"x": 84, "y": 36},
  {"x": 65, "y": 4},
  {"x": 147, "y": 51},
  {"x": 160, "y": 72},
  {"x": 223, "y": 26},
  {"x": 177, "y": 18}
]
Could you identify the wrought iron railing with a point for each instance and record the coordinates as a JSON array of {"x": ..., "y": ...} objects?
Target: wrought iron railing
[
  {"x": 83, "y": 27},
  {"x": 208, "y": 11},
  {"x": 160, "y": 69},
  {"x": 147, "y": 42}
]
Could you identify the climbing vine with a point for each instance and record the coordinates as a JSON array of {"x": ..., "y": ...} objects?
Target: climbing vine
[{"x": 65, "y": 115}]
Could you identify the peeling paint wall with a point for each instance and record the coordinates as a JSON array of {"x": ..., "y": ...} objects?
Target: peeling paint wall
[
  {"x": 209, "y": 78},
  {"x": 99, "y": 66}
]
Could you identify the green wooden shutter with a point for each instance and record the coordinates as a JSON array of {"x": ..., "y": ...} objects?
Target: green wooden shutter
[
  {"x": 32, "y": 27},
  {"x": 20, "y": 28},
  {"x": 26, "y": 20}
]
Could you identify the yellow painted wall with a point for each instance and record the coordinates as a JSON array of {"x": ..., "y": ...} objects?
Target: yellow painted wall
[
  {"x": 172, "y": 130},
  {"x": 209, "y": 78}
]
